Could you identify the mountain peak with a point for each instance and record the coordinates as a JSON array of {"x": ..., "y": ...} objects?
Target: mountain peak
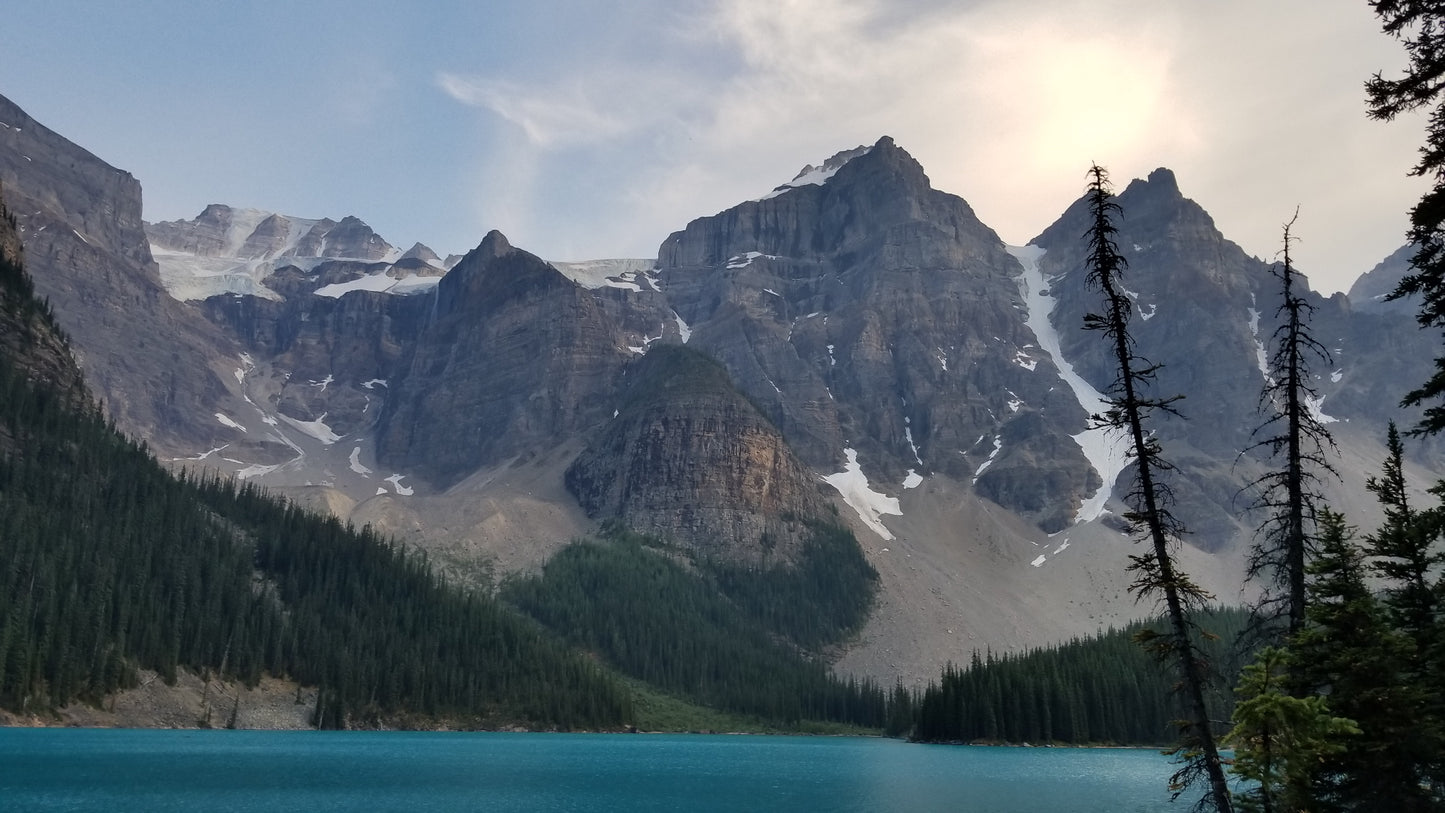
[
  {"x": 1163, "y": 177},
  {"x": 494, "y": 245}
]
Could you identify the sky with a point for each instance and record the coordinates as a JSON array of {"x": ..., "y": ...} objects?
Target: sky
[{"x": 587, "y": 130}]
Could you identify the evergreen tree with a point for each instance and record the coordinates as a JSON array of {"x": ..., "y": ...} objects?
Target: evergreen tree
[
  {"x": 1405, "y": 553},
  {"x": 1293, "y": 434},
  {"x": 1420, "y": 26},
  {"x": 1278, "y": 739},
  {"x": 1156, "y": 574},
  {"x": 1351, "y": 654}
]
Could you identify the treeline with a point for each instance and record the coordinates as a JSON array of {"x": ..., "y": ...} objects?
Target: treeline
[
  {"x": 713, "y": 634},
  {"x": 1100, "y": 690},
  {"x": 109, "y": 564}
]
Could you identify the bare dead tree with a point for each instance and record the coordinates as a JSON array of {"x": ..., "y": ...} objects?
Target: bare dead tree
[
  {"x": 1294, "y": 433},
  {"x": 1150, "y": 520}
]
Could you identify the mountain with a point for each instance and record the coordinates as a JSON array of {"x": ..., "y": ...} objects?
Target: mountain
[
  {"x": 1370, "y": 291},
  {"x": 235, "y": 251},
  {"x": 855, "y": 341},
  {"x": 146, "y": 354},
  {"x": 117, "y": 568},
  {"x": 1207, "y": 313},
  {"x": 871, "y": 312}
]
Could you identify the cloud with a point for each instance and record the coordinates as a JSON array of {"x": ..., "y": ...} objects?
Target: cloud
[
  {"x": 1004, "y": 103},
  {"x": 550, "y": 117}
]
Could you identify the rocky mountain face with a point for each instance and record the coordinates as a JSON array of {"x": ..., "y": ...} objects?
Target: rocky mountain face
[
  {"x": 1370, "y": 293},
  {"x": 875, "y": 350},
  {"x": 1207, "y": 314},
  {"x": 874, "y": 313},
  {"x": 512, "y": 358},
  {"x": 689, "y": 458},
  {"x": 147, "y": 356}
]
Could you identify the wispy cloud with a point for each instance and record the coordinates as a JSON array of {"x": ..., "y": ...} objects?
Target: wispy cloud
[{"x": 550, "y": 117}]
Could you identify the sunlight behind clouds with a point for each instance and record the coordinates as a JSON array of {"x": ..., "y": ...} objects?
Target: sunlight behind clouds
[{"x": 1005, "y": 104}]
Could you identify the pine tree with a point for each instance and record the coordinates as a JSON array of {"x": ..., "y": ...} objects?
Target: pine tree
[
  {"x": 1278, "y": 739},
  {"x": 1296, "y": 436},
  {"x": 1420, "y": 26},
  {"x": 1351, "y": 654},
  {"x": 1156, "y": 574},
  {"x": 1404, "y": 553}
]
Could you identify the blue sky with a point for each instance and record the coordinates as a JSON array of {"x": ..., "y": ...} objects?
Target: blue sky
[{"x": 586, "y": 129}]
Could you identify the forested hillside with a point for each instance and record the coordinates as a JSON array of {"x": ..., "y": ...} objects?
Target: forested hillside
[
  {"x": 111, "y": 564},
  {"x": 1101, "y": 690},
  {"x": 744, "y": 640}
]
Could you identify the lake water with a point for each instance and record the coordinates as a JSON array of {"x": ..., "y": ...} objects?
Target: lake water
[{"x": 315, "y": 772}]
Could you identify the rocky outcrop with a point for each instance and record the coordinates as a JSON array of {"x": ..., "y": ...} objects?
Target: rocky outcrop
[{"x": 689, "y": 459}]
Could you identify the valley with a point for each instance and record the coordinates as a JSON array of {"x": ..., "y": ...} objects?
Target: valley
[{"x": 882, "y": 360}]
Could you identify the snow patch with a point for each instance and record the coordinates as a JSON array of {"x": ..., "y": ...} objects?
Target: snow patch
[
  {"x": 1336, "y": 376},
  {"x": 682, "y": 329},
  {"x": 1316, "y": 408},
  {"x": 375, "y": 382},
  {"x": 746, "y": 259},
  {"x": 201, "y": 456},
  {"x": 226, "y": 421},
  {"x": 1023, "y": 360},
  {"x": 1039, "y": 562},
  {"x": 983, "y": 467},
  {"x": 316, "y": 429},
  {"x": 908, "y": 434},
  {"x": 817, "y": 176},
  {"x": 355, "y": 461},
  {"x": 1261, "y": 360},
  {"x": 395, "y": 480},
  {"x": 853, "y": 485},
  {"x": 626, "y": 274},
  {"x": 1105, "y": 449},
  {"x": 913, "y": 480},
  {"x": 255, "y": 471},
  {"x": 381, "y": 283}
]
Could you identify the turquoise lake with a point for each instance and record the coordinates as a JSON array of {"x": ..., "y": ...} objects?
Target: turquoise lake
[{"x": 145, "y": 770}]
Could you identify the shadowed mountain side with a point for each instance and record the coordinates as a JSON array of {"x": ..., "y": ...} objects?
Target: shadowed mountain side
[
  {"x": 513, "y": 357},
  {"x": 147, "y": 357}
]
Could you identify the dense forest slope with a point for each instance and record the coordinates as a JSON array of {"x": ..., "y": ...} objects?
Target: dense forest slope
[{"x": 113, "y": 565}]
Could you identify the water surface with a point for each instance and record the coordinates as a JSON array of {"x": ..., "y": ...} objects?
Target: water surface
[{"x": 317, "y": 772}]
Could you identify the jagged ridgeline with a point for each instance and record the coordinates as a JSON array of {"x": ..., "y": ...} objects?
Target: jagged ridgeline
[{"x": 111, "y": 565}]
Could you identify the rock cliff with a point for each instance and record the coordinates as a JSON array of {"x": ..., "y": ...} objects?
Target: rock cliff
[
  {"x": 688, "y": 458},
  {"x": 145, "y": 355}
]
